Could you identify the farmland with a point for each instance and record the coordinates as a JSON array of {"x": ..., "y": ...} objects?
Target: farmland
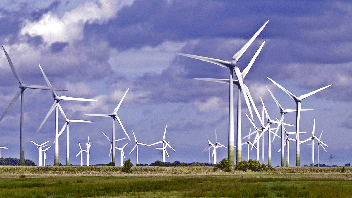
[{"x": 173, "y": 181}]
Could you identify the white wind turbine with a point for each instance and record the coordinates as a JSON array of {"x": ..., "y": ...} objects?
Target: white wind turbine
[
  {"x": 114, "y": 117},
  {"x": 320, "y": 144},
  {"x": 136, "y": 146},
  {"x": 21, "y": 92},
  {"x": 298, "y": 101},
  {"x": 111, "y": 142},
  {"x": 122, "y": 153},
  {"x": 44, "y": 152},
  {"x": 287, "y": 140},
  {"x": 2, "y": 147},
  {"x": 232, "y": 65},
  {"x": 215, "y": 147},
  {"x": 81, "y": 153},
  {"x": 236, "y": 82},
  {"x": 312, "y": 138},
  {"x": 67, "y": 127},
  {"x": 248, "y": 142},
  {"x": 165, "y": 145},
  {"x": 55, "y": 107},
  {"x": 40, "y": 149},
  {"x": 88, "y": 150}
]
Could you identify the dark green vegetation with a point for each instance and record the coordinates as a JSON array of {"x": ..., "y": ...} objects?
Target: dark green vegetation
[
  {"x": 15, "y": 162},
  {"x": 190, "y": 186}
]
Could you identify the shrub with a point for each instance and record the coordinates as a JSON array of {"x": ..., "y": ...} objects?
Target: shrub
[
  {"x": 223, "y": 165},
  {"x": 127, "y": 166},
  {"x": 252, "y": 165},
  {"x": 343, "y": 169}
]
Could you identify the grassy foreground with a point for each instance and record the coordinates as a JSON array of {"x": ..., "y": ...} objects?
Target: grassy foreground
[{"x": 172, "y": 182}]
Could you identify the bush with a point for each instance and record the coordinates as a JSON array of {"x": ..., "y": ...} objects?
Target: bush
[
  {"x": 223, "y": 165},
  {"x": 127, "y": 166},
  {"x": 252, "y": 165}
]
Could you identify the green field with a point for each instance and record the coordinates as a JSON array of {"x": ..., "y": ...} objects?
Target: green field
[{"x": 172, "y": 182}]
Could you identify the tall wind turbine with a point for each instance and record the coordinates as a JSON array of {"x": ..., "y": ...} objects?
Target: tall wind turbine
[
  {"x": 2, "y": 147},
  {"x": 298, "y": 101},
  {"x": 136, "y": 146},
  {"x": 55, "y": 106},
  {"x": 40, "y": 149},
  {"x": 122, "y": 153},
  {"x": 312, "y": 138},
  {"x": 232, "y": 66},
  {"x": 21, "y": 92},
  {"x": 114, "y": 117},
  {"x": 80, "y": 153},
  {"x": 165, "y": 145},
  {"x": 67, "y": 127}
]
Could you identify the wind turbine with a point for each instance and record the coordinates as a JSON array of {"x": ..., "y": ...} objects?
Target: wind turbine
[
  {"x": 2, "y": 147},
  {"x": 88, "y": 151},
  {"x": 248, "y": 142},
  {"x": 122, "y": 152},
  {"x": 215, "y": 147},
  {"x": 114, "y": 117},
  {"x": 21, "y": 92},
  {"x": 165, "y": 145},
  {"x": 55, "y": 106},
  {"x": 232, "y": 66},
  {"x": 236, "y": 82},
  {"x": 67, "y": 126},
  {"x": 298, "y": 101},
  {"x": 136, "y": 146},
  {"x": 111, "y": 142},
  {"x": 312, "y": 138},
  {"x": 320, "y": 144},
  {"x": 40, "y": 149},
  {"x": 44, "y": 152},
  {"x": 81, "y": 153}
]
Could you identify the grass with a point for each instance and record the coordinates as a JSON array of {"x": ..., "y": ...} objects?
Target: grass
[{"x": 173, "y": 182}]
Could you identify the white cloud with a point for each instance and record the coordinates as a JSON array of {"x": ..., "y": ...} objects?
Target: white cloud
[
  {"x": 70, "y": 26},
  {"x": 211, "y": 104}
]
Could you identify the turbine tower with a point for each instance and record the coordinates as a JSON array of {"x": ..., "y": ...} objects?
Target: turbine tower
[
  {"x": 40, "y": 149},
  {"x": 111, "y": 142},
  {"x": 44, "y": 152},
  {"x": 21, "y": 92},
  {"x": 67, "y": 127},
  {"x": 122, "y": 153},
  {"x": 232, "y": 66},
  {"x": 136, "y": 146},
  {"x": 88, "y": 150},
  {"x": 114, "y": 117},
  {"x": 2, "y": 147},
  {"x": 55, "y": 106},
  {"x": 298, "y": 101}
]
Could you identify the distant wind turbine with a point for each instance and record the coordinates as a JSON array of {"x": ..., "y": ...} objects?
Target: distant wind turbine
[
  {"x": 122, "y": 153},
  {"x": 40, "y": 149},
  {"x": 165, "y": 145},
  {"x": 298, "y": 101},
  {"x": 136, "y": 146},
  {"x": 232, "y": 66},
  {"x": 80, "y": 153}
]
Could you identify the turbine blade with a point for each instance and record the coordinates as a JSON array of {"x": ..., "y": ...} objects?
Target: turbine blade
[
  {"x": 170, "y": 146},
  {"x": 62, "y": 111},
  {"x": 166, "y": 153},
  {"x": 81, "y": 121},
  {"x": 62, "y": 129},
  {"x": 47, "y": 115},
  {"x": 99, "y": 115},
  {"x": 265, "y": 110},
  {"x": 254, "y": 106},
  {"x": 120, "y": 139},
  {"x": 44, "y": 87},
  {"x": 106, "y": 136},
  {"x": 118, "y": 106},
  {"x": 283, "y": 89},
  {"x": 313, "y": 92},
  {"x": 313, "y": 131},
  {"x": 218, "y": 62},
  {"x": 216, "y": 136},
  {"x": 47, "y": 81},
  {"x": 255, "y": 127},
  {"x": 156, "y": 143},
  {"x": 133, "y": 148},
  {"x": 12, "y": 67},
  {"x": 123, "y": 128},
  {"x": 244, "y": 89},
  {"x": 277, "y": 102},
  {"x": 238, "y": 55},
  {"x": 11, "y": 104},
  {"x": 213, "y": 80},
  {"x": 134, "y": 136},
  {"x": 164, "y": 132},
  {"x": 246, "y": 70},
  {"x": 76, "y": 99}
]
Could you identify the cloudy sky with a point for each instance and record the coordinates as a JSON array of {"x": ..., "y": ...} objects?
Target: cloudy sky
[{"x": 100, "y": 48}]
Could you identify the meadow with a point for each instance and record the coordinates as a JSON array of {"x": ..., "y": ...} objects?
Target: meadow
[{"x": 194, "y": 181}]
